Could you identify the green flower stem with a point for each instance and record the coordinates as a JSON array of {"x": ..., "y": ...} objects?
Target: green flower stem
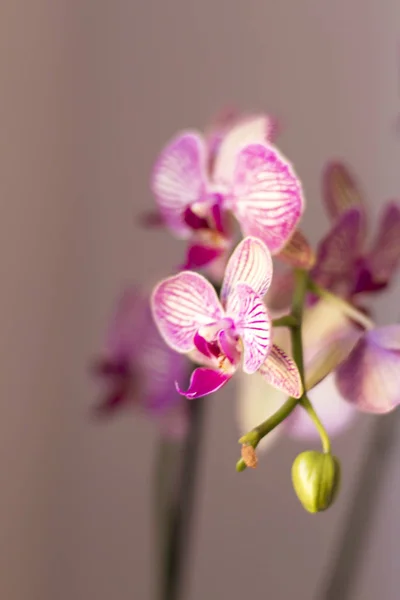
[
  {"x": 294, "y": 321},
  {"x": 255, "y": 436},
  {"x": 326, "y": 443},
  {"x": 348, "y": 309},
  {"x": 301, "y": 280},
  {"x": 302, "y": 283},
  {"x": 181, "y": 513},
  {"x": 285, "y": 321}
]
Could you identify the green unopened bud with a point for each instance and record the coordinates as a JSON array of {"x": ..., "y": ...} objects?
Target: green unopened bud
[
  {"x": 241, "y": 465},
  {"x": 316, "y": 480}
]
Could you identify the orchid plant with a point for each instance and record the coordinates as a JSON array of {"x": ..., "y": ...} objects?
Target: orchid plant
[{"x": 302, "y": 337}]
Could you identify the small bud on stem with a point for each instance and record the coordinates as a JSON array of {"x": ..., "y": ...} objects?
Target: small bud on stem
[{"x": 316, "y": 479}]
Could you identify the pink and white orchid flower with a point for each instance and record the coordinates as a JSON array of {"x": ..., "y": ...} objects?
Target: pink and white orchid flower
[
  {"x": 138, "y": 369},
  {"x": 199, "y": 182},
  {"x": 224, "y": 332}
]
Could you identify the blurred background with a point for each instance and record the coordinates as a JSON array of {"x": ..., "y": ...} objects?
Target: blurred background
[{"x": 90, "y": 91}]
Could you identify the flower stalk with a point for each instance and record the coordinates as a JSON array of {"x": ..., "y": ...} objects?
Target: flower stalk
[
  {"x": 285, "y": 321},
  {"x": 294, "y": 322},
  {"x": 174, "y": 513}
]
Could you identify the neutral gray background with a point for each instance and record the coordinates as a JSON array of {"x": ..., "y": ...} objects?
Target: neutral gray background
[{"x": 90, "y": 90}]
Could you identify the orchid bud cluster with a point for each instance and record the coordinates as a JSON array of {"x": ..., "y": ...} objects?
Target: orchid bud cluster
[{"x": 266, "y": 308}]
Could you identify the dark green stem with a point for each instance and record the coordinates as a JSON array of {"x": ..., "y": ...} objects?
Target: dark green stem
[
  {"x": 301, "y": 279},
  {"x": 179, "y": 506},
  {"x": 308, "y": 407},
  {"x": 302, "y": 283},
  {"x": 285, "y": 321},
  {"x": 255, "y": 436}
]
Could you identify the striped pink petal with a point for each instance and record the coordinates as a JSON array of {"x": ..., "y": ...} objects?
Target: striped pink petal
[
  {"x": 179, "y": 178},
  {"x": 267, "y": 195},
  {"x": 250, "y": 263},
  {"x": 369, "y": 378},
  {"x": 255, "y": 129},
  {"x": 280, "y": 371},
  {"x": 340, "y": 190},
  {"x": 384, "y": 257},
  {"x": 252, "y": 323},
  {"x": 203, "y": 382},
  {"x": 181, "y": 305}
]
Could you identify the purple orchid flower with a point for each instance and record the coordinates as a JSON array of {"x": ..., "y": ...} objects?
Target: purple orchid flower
[
  {"x": 138, "y": 368},
  {"x": 222, "y": 333},
  {"x": 198, "y": 183},
  {"x": 369, "y": 377},
  {"x": 343, "y": 263}
]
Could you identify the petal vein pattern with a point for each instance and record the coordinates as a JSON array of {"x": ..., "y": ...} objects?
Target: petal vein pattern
[
  {"x": 252, "y": 323},
  {"x": 267, "y": 195},
  {"x": 181, "y": 305},
  {"x": 250, "y": 263},
  {"x": 179, "y": 178}
]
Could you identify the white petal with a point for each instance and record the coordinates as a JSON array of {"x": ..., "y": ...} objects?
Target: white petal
[
  {"x": 179, "y": 178},
  {"x": 251, "y": 130}
]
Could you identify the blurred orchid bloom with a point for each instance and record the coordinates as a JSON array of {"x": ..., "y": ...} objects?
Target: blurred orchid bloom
[
  {"x": 221, "y": 333},
  {"x": 138, "y": 368},
  {"x": 343, "y": 264},
  {"x": 367, "y": 361},
  {"x": 200, "y": 182},
  {"x": 328, "y": 338},
  {"x": 369, "y": 377}
]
